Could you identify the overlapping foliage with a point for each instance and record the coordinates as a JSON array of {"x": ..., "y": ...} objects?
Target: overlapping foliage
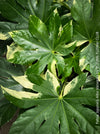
[{"x": 57, "y": 46}]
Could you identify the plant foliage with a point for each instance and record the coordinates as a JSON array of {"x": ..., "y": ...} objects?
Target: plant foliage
[
  {"x": 51, "y": 70},
  {"x": 64, "y": 113}
]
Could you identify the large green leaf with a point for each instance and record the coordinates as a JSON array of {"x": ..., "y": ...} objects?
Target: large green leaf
[
  {"x": 14, "y": 15},
  {"x": 86, "y": 28},
  {"x": 7, "y": 110},
  {"x": 19, "y": 55},
  {"x": 65, "y": 113},
  {"x": 27, "y": 98},
  {"x": 11, "y": 76},
  {"x": 17, "y": 13},
  {"x": 42, "y": 9},
  {"x": 42, "y": 43},
  {"x": 81, "y": 12}
]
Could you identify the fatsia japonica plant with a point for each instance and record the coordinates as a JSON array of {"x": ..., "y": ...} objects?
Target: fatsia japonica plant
[{"x": 49, "y": 66}]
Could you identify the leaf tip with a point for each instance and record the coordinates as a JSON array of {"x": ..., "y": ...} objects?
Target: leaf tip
[
  {"x": 11, "y": 34},
  {"x": 82, "y": 63},
  {"x": 55, "y": 11},
  {"x": 3, "y": 36},
  {"x": 99, "y": 77},
  {"x": 71, "y": 23},
  {"x": 74, "y": 2},
  {"x": 3, "y": 89},
  {"x": 89, "y": 1},
  {"x": 31, "y": 15}
]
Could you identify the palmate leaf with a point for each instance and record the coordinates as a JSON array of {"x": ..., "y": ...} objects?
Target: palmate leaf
[
  {"x": 86, "y": 28},
  {"x": 53, "y": 113},
  {"x": 14, "y": 15},
  {"x": 42, "y": 43},
  {"x": 17, "y": 13}
]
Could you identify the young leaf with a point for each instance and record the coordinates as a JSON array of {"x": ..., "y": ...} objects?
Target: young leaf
[
  {"x": 39, "y": 45},
  {"x": 39, "y": 30},
  {"x": 53, "y": 27},
  {"x": 59, "y": 114},
  {"x": 65, "y": 34}
]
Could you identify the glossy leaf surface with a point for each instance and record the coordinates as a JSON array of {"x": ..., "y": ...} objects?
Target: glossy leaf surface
[
  {"x": 7, "y": 110},
  {"x": 17, "y": 13},
  {"x": 42, "y": 43},
  {"x": 51, "y": 111},
  {"x": 86, "y": 29}
]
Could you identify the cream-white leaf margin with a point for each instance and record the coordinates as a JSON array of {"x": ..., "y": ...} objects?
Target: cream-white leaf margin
[
  {"x": 76, "y": 83},
  {"x": 53, "y": 79},
  {"x": 11, "y": 50},
  {"x": 79, "y": 43},
  {"x": 70, "y": 86},
  {"x": 74, "y": 2},
  {"x": 52, "y": 67},
  {"x": 98, "y": 77},
  {"x": 3, "y": 36},
  {"x": 22, "y": 80},
  {"x": 20, "y": 94}
]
